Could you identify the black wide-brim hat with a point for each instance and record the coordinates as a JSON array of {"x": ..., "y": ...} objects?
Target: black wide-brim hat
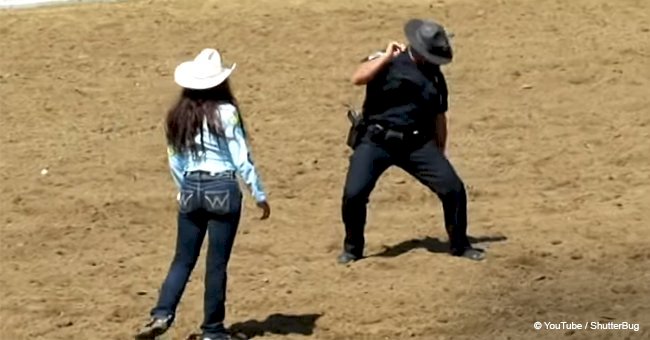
[{"x": 430, "y": 40}]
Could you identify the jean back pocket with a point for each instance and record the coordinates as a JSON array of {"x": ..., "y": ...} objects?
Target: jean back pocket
[
  {"x": 187, "y": 201},
  {"x": 218, "y": 201}
]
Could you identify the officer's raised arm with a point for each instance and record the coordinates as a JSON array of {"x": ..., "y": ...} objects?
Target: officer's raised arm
[{"x": 366, "y": 71}]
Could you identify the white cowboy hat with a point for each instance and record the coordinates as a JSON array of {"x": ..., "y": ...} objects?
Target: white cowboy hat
[{"x": 204, "y": 72}]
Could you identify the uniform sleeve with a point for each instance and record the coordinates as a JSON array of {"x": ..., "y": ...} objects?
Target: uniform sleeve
[
  {"x": 177, "y": 163},
  {"x": 241, "y": 154},
  {"x": 435, "y": 92},
  {"x": 443, "y": 93}
]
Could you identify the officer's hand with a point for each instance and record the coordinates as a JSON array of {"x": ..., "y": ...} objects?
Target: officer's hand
[
  {"x": 394, "y": 48},
  {"x": 266, "y": 209}
]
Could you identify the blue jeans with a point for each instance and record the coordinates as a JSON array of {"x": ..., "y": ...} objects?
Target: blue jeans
[{"x": 212, "y": 204}]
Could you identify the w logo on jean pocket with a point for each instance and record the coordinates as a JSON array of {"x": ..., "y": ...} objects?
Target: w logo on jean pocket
[
  {"x": 217, "y": 201},
  {"x": 185, "y": 201}
]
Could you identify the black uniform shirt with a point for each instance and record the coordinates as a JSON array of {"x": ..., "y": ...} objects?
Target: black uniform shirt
[{"x": 405, "y": 96}]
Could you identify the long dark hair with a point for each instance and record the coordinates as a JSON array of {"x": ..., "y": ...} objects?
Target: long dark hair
[{"x": 185, "y": 119}]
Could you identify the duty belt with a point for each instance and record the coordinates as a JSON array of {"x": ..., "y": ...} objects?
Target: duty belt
[{"x": 386, "y": 134}]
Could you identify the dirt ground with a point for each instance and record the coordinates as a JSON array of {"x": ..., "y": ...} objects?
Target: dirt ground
[{"x": 549, "y": 128}]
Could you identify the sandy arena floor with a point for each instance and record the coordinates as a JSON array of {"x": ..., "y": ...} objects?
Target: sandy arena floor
[{"x": 549, "y": 129}]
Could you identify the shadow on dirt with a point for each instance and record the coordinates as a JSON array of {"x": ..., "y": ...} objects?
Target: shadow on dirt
[{"x": 433, "y": 245}]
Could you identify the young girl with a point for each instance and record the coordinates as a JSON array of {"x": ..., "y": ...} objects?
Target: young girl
[{"x": 206, "y": 147}]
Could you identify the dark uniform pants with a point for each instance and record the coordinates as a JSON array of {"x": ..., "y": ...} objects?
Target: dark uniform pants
[{"x": 427, "y": 164}]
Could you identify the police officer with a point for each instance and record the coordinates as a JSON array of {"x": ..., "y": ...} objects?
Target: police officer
[{"x": 404, "y": 124}]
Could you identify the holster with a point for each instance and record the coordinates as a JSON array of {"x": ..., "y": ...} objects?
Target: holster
[{"x": 357, "y": 128}]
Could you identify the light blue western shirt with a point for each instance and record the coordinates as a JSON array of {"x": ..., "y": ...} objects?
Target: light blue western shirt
[{"x": 219, "y": 155}]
